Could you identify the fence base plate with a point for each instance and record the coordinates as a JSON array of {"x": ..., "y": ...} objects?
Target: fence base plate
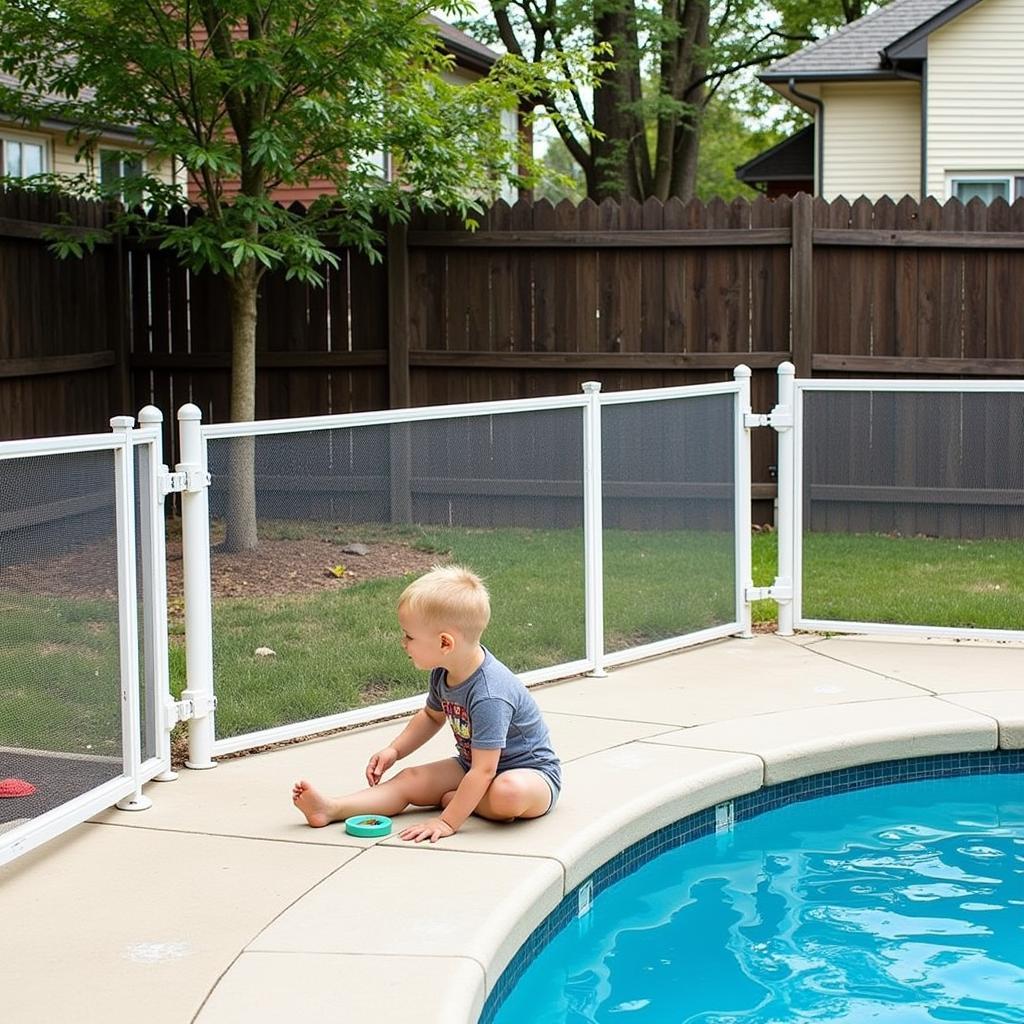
[{"x": 137, "y": 802}]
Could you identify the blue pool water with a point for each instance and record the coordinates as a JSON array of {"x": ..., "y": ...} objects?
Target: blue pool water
[{"x": 899, "y": 903}]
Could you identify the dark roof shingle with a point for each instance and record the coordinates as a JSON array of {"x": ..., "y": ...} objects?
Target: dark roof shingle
[{"x": 855, "y": 48}]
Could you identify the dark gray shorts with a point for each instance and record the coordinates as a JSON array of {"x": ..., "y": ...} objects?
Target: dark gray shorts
[{"x": 552, "y": 785}]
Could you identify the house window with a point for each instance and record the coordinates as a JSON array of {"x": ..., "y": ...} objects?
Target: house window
[
  {"x": 23, "y": 157},
  {"x": 509, "y": 132},
  {"x": 118, "y": 171},
  {"x": 986, "y": 187},
  {"x": 380, "y": 161}
]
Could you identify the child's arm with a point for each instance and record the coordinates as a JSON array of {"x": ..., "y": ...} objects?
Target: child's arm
[
  {"x": 421, "y": 727},
  {"x": 482, "y": 770},
  {"x": 471, "y": 790}
]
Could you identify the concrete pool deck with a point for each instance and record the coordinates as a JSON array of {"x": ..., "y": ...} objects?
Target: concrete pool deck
[{"x": 220, "y": 905}]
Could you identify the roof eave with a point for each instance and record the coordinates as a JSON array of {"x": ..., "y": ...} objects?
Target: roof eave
[
  {"x": 57, "y": 124},
  {"x": 469, "y": 59},
  {"x": 748, "y": 176},
  {"x": 828, "y": 76}
]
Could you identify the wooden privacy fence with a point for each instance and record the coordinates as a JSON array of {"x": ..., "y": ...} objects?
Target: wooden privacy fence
[
  {"x": 63, "y": 337},
  {"x": 537, "y": 300}
]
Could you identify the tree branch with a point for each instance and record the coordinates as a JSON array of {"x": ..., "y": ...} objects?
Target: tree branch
[
  {"x": 507, "y": 32},
  {"x": 579, "y": 154}
]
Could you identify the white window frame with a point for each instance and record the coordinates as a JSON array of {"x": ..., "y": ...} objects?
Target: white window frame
[
  {"x": 510, "y": 133},
  {"x": 25, "y": 138},
  {"x": 381, "y": 159},
  {"x": 1010, "y": 178},
  {"x": 101, "y": 150}
]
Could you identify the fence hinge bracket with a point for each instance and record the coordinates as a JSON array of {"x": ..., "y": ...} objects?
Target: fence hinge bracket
[
  {"x": 202, "y": 702},
  {"x": 192, "y": 705},
  {"x": 776, "y": 592},
  {"x": 176, "y": 711},
  {"x": 780, "y": 418},
  {"x": 182, "y": 480},
  {"x": 171, "y": 483}
]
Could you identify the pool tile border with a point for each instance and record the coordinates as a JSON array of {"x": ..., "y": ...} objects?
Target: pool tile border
[{"x": 702, "y": 823}]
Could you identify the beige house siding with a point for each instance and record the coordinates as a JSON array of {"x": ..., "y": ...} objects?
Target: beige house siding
[
  {"x": 60, "y": 154},
  {"x": 976, "y": 94},
  {"x": 460, "y": 76},
  {"x": 872, "y": 139}
]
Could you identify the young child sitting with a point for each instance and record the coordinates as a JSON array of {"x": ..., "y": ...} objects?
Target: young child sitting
[{"x": 504, "y": 768}]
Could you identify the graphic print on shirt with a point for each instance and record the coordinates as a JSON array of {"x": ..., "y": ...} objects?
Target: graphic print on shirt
[{"x": 458, "y": 716}]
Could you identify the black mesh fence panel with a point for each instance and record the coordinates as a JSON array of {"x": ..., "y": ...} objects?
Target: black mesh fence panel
[
  {"x": 60, "y": 717},
  {"x": 913, "y": 508},
  {"x": 346, "y": 518},
  {"x": 669, "y": 506}
]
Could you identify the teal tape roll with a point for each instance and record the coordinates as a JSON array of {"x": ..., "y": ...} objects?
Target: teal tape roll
[{"x": 368, "y": 826}]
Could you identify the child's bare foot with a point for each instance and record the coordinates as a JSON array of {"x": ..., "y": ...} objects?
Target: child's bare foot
[{"x": 318, "y": 809}]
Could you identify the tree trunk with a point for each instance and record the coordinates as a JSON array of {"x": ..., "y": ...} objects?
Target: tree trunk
[
  {"x": 613, "y": 173},
  {"x": 684, "y": 163},
  {"x": 678, "y": 134},
  {"x": 241, "y": 512}
]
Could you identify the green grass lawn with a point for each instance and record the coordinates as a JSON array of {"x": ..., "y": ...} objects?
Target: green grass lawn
[
  {"x": 344, "y": 646},
  {"x": 61, "y": 678},
  {"x": 914, "y": 580},
  {"x": 340, "y": 649}
]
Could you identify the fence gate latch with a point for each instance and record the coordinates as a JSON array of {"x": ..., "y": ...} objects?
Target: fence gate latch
[
  {"x": 182, "y": 480},
  {"x": 778, "y": 591},
  {"x": 192, "y": 705},
  {"x": 170, "y": 483},
  {"x": 176, "y": 711},
  {"x": 780, "y": 418}
]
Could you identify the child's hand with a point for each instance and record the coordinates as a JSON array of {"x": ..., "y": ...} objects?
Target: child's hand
[
  {"x": 379, "y": 764},
  {"x": 433, "y": 829}
]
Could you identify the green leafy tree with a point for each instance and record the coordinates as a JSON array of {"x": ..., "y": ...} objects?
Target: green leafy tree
[
  {"x": 560, "y": 176},
  {"x": 728, "y": 140},
  {"x": 667, "y": 61},
  {"x": 254, "y": 95}
]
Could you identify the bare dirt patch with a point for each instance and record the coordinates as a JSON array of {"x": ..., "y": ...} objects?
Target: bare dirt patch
[
  {"x": 276, "y": 568},
  {"x": 281, "y": 567}
]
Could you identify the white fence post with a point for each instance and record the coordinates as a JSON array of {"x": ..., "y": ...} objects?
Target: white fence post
[
  {"x": 195, "y": 551},
  {"x": 744, "y": 564},
  {"x": 785, "y": 521},
  {"x": 127, "y": 612},
  {"x": 593, "y": 539},
  {"x": 152, "y": 531}
]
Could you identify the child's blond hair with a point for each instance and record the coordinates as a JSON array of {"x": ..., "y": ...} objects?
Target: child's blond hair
[{"x": 450, "y": 596}]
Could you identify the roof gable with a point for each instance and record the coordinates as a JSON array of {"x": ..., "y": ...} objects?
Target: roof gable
[
  {"x": 859, "y": 49},
  {"x": 792, "y": 159},
  {"x": 913, "y": 44}
]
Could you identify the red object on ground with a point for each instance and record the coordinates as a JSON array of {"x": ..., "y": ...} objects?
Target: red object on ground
[{"x": 16, "y": 787}]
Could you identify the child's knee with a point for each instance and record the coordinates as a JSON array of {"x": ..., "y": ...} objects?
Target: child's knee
[
  {"x": 507, "y": 793},
  {"x": 411, "y": 778}
]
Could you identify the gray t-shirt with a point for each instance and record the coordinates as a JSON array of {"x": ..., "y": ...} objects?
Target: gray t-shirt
[{"x": 493, "y": 710}]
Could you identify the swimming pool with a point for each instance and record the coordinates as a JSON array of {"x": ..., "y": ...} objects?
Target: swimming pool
[{"x": 901, "y": 902}]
